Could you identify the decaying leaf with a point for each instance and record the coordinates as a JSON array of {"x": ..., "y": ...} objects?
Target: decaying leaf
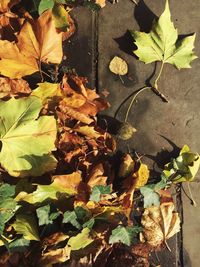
[
  {"x": 162, "y": 43},
  {"x": 118, "y": 66},
  {"x": 160, "y": 223}
]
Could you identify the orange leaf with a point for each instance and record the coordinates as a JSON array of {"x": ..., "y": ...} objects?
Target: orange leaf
[{"x": 38, "y": 41}]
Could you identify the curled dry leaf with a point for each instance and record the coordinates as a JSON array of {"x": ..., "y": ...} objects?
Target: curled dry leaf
[
  {"x": 160, "y": 223},
  {"x": 6, "y": 5},
  {"x": 118, "y": 66}
]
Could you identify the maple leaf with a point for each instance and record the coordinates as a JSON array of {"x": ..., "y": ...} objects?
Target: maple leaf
[
  {"x": 13, "y": 87},
  {"x": 162, "y": 43},
  {"x": 19, "y": 128},
  {"x": 38, "y": 41},
  {"x": 160, "y": 224}
]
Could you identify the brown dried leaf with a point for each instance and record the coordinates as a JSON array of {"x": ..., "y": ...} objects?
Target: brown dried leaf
[{"x": 160, "y": 223}]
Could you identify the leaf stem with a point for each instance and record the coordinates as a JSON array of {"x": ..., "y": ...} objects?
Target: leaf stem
[
  {"x": 155, "y": 86},
  {"x": 191, "y": 195},
  {"x": 132, "y": 101}
]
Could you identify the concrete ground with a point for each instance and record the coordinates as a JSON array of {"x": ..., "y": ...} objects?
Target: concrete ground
[{"x": 161, "y": 127}]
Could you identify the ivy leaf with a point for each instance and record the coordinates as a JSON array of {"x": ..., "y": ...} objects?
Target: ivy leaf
[
  {"x": 45, "y": 215},
  {"x": 26, "y": 226},
  {"x": 81, "y": 240},
  {"x": 125, "y": 235},
  {"x": 184, "y": 168},
  {"x": 71, "y": 217},
  {"x": 151, "y": 197},
  {"x": 99, "y": 190},
  {"x": 162, "y": 43},
  {"x": 18, "y": 129}
]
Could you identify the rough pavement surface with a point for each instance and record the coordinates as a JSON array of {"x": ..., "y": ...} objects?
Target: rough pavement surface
[{"x": 161, "y": 127}]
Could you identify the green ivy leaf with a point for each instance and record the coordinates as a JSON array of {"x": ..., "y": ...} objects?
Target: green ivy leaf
[
  {"x": 99, "y": 190},
  {"x": 26, "y": 226},
  {"x": 18, "y": 129},
  {"x": 45, "y": 215},
  {"x": 151, "y": 197},
  {"x": 71, "y": 217},
  {"x": 162, "y": 43},
  {"x": 81, "y": 240},
  {"x": 125, "y": 235}
]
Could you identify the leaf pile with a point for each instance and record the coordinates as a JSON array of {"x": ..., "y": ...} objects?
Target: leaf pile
[{"x": 62, "y": 198}]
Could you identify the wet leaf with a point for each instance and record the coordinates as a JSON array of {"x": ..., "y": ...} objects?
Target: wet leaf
[
  {"x": 162, "y": 43},
  {"x": 19, "y": 129}
]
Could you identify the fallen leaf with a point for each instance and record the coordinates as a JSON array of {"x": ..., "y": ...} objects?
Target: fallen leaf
[
  {"x": 38, "y": 41},
  {"x": 13, "y": 87},
  {"x": 124, "y": 235},
  {"x": 81, "y": 240},
  {"x": 162, "y": 43},
  {"x": 160, "y": 223},
  {"x": 6, "y": 5},
  {"x": 26, "y": 226},
  {"x": 19, "y": 129},
  {"x": 118, "y": 66}
]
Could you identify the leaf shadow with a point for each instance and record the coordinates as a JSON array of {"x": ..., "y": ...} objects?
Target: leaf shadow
[{"x": 163, "y": 157}]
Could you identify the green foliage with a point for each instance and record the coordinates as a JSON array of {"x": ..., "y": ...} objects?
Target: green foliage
[
  {"x": 71, "y": 217},
  {"x": 43, "y": 192},
  {"x": 46, "y": 215},
  {"x": 26, "y": 225},
  {"x": 184, "y": 168},
  {"x": 44, "y": 5},
  {"x": 18, "y": 129},
  {"x": 99, "y": 190},
  {"x": 8, "y": 205},
  {"x": 60, "y": 16},
  {"x": 125, "y": 235},
  {"x": 151, "y": 197},
  {"x": 162, "y": 43}
]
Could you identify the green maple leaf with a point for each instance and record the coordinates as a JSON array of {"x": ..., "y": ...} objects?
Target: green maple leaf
[
  {"x": 162, "y": 43},
  {"x": 26, "y": 141}
]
